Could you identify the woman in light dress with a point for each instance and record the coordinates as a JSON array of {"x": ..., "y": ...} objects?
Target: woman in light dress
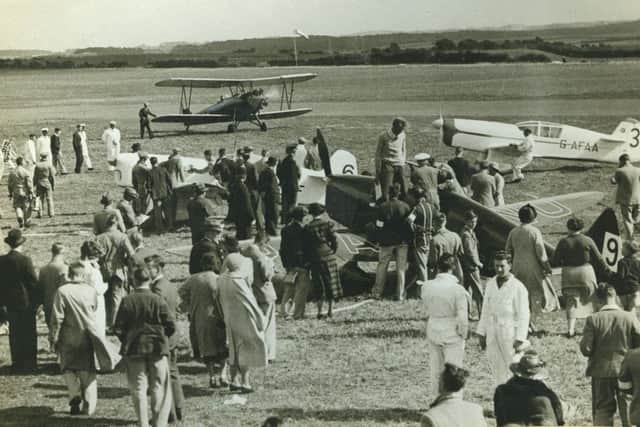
[{"x": 90, "y": 253}]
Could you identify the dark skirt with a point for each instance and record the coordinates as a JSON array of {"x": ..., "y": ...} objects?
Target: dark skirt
[{"x": 325, "y": 277}]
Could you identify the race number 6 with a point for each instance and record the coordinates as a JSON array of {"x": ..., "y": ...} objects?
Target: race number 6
[
  {"x": 635, "y": 135},
  {"x": 611, "y": 249}
]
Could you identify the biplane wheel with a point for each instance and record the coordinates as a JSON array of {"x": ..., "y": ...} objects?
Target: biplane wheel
[
  {"x": 231, "y": 128},
  {"x": 263, "y": 126}
]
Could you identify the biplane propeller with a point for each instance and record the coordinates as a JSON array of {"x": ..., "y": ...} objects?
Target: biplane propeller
[{"x": 245, "y": 103}]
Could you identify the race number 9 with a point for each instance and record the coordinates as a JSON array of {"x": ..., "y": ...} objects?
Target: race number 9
[
  {"x": 611, "y": 250},
  {"x": 635, "y": 135}
]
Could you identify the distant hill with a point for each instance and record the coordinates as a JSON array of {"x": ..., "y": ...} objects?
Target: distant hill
[{"x": 22, "y": 53}]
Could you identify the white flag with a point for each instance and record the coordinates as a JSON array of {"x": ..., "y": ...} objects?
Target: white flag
[{"x": 300, "y": 33}]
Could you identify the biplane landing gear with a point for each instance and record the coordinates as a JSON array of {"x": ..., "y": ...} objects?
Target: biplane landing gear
[
  {"x": 186, "y": 128},
  {"x": 263, "y": 126},
  {"x": 232, "y": 128}
]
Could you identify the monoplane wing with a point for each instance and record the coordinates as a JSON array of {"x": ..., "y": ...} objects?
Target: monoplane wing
[
  {"x": 478, "y": 135},
  {"x": 193, "y": 119},
  {"x": 269, "y": 115},
  {"x": 247, "y": 83}
]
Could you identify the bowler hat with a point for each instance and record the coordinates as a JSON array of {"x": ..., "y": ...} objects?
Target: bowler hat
[
  {"x": 15, "y": 238},
  {"x": 130, "y": 193},
  {"x": 529, "y": 366},
  {"x": 316, "y": 209}
]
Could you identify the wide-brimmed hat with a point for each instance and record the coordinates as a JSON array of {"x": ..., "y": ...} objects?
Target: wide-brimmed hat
[
  {"x": 200, "y": 187},
  {"x": 15, "y": 238},
  {"x": 210, "y": 224},
  {"x": 529, "y": 366},
  {"x": 316, "y": 209},
  {"x": 422, "y": 157},
  {"x": 130, "y": 193}
]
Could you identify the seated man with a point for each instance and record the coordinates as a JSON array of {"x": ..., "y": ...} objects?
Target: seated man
[
  {"x": 525, "y": 399},
  {"x": 449, "y": 410}
]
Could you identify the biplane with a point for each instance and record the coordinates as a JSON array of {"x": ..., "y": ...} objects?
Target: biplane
[{"x": 245, "y": 103}]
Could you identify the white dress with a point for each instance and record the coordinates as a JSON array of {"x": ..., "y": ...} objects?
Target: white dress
[
  {"x": 85, "y": 149},
  {"x": 94, "y": 278},
  {"x": 504, "y": 319},
  {"x": 111, "y": 139}
]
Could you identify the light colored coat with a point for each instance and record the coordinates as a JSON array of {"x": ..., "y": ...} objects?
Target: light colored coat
[
  {"x": 244, "y": 321},
  {"x": 93, "y": 277},
  {"x": 451, "y": 411},
  {"x": 446, "y": 303},
  {"x": 29, "y": 152},
  {"x": 504, "y": 319},
  {"x": 50, "y": 278},
  {"x": 111, "y": 139}
]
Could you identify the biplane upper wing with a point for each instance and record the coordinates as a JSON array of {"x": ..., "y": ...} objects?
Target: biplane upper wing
[
  {"x": 221, "y": 83},
  {"x": 281, "y": 114},
  {"x": 193, "y": 119}
]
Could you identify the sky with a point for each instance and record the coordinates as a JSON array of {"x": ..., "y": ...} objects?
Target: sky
[{"x": 64, "y": 24}]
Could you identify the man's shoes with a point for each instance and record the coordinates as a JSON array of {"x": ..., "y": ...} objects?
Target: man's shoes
[
  {"x": 74, "y": 406},
  {"x": 246, "y": 390},
  {"x": 179, "y": 415},
  {"x": 234, "y": 387}
]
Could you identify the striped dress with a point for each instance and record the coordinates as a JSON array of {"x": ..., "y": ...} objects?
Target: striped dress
[{"x": 319, "y": 246}]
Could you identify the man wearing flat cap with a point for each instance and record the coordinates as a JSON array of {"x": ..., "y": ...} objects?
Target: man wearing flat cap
[
  {"x": 288, "y": 173},
  {"x": 125, "y": 206},
  {"x": 44, "y": 183},
  {"x": 43, "y": 144},
  {"x": 21, "y": 296},
  {"x": 143, "y": 115},
  {"x": 391, "y": 156},
  {"x": 210, "y": 243},
  {"x": 199, "y": 209},
  {"x": 483, "y": 186},
  {"x": 425, "y": 177},
  {"x": 111, "y": 140}
]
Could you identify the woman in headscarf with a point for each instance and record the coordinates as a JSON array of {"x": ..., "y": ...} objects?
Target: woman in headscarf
[
  {"x": 263, "y": 270},
  {"x": 244, "y": 322},
  {"x": 320, "y": 246},
  {"x": 90, "y": 254},
  {"x": 531, "y": 265},
  {"x": 580, "y": 259}
]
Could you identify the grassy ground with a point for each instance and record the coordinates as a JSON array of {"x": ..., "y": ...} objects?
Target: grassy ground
[{"x": 368, "y": 366}]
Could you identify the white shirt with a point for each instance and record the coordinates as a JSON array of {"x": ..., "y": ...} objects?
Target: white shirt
[
  {"x": 505, "y": 307},
  {"x": 446, "y": 302},
  {"x": 83, "y": 136},
  {"x": 30, "y": 151},
  {"x": 300, "y": 155},
  {"x": 43, "y": 145}
]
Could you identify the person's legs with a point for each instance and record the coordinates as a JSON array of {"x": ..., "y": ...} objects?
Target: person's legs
[
  {"x": 603, "y": 402},
  {"x": 384, "y": 257},
  {"x": 626, "y": 211},
  {"x": 168, "y": 211},
  {"x": 176, "y": 385},
  {"x": 386, "y": 179},
  {"x": 286, "y": 297},
  {"x": 571, "y": 315},
  {"x": 87, "y": 160},
  {"x": 454, "y": 353},
  {"x": 74, "y": 388},
  {"x": 401, "y": 269},
  {"x": 624, "y": 404},
  {"x": 141, "y": 129},
  {"x": 79, "y": 161},
  {"x": 49, "y": 198},
  {"x": 157, "y": 215},
  {"x": 89, "y": 391},
  {"x": 138, "y": 385},
  {"x": 113, "y": 297},
  {"x": 161, "y": 396},
  {"x": 436, "y": 365},
  {"x": 473, "y": 284},
  {"x": 421, "y": 257},
  {"x": 301, "y": 288}
]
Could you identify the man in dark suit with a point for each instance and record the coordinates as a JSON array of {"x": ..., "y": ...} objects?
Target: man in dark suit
[
  {"x": 199, "y": 208},
  {"x": 210, "y": 243},
  {"x": 161, "y": 189},
  {"x": 483, "y": 186},
  {"x": 289, "y": 174},
  {"x": 294, "y": 261},
  {"x": 140, "y": 182},
  {"x": 252, "y": 185},
  {"x": 462, "y": 168},
  {"x": 270, "y": 195},
  {"x": 21, "y": 296},
  {"x": 77, "y": 148},
  {"x": 56, "y": 154},
  {"x": 240, "y": 205},
  {"x": 608, "y": 335}
]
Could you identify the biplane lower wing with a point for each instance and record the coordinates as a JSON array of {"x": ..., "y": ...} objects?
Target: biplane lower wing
[
  {"x": 193, "y": 119},
  {"x": 269, "y": 115}
]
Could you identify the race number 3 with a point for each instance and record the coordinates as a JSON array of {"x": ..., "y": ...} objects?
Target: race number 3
[
  {"x": 611, "y": 250},
  {"x": 635, "y": 135}
]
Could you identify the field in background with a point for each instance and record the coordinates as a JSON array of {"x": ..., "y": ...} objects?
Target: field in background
[{"x": 366, "y": 367}]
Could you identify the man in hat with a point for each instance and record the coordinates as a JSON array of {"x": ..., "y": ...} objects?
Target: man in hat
[
  {"x": 44, "y": 183},
  {"x": 627, "y": 180},
  {"x": 390, "y": 158},
  {"x": 607, "y": 336},
  {"x": 498, "y": 196},
  {"x": 461, "y": 168},
  {"x": 173, "y": 165},
  {"x": 447, "y": 306},
  {"x": 525, "y": 399},
  {"x": 199, "y": 209},
  {"x": 470, "y": 261},
  {"x": 21, "y": 296},
  {"x": 448, "y": 409},
  {"x": 269, "y": 191},
  {"x": 141, "y": 183},
  {"x": 85, "y": 146},
  {"x": 125, "y": 206},
  {"x": 393, "y": 235},
  {"x": 51, "y": 277},
  {"x": 21, "y": 191},
  {"x": 143, "y": 326},
  {"x": 29, "y": 153},
  {"x": 111, "y": 140},
  {"x": 161, "y": 192},
  {"x": 293, "y": 260},
  {"x": 56, "y": 153},
  {"x": 143, "y": 115},
  {"x": 301, "y": 151},
  {"x": 223, "y": 167},
  {"x": 210, "y": 243},
  {"x": 525, "y": 148},
  {"x": 240, "y": 205},
  {"x": 76, "y": 141},
  {"x": 100, "y": 217},
  {"x": 504, "y": 322},
  {"x": 425, "y": 177},
  {"x": 483, "y": 186},
  {"x": 421, "y": 221},
  {"x": 43, "y": 145},
  {"x": 445, "y": 241},
  {"x": 288, "y": 173}
]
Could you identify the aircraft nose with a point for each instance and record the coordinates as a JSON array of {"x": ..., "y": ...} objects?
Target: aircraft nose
[{"x": 437, "y": 123}]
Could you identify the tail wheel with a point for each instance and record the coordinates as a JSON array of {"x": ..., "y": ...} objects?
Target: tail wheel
[{"x": 263, "y": 126}]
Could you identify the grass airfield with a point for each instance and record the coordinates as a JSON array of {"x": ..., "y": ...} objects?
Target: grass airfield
[{"x": 368, "y": 366}]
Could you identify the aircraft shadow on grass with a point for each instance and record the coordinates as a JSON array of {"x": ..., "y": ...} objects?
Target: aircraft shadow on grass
[
  {"x": 105, "y": 391},
  {"x": 352, "y": 414},
  {"x": 376, "y": 334},
  {"x": 44, "y": 415},
  {"x": 172, "y": 133}
]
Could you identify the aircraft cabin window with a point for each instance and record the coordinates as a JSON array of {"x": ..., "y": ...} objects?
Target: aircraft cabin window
[
  {"x": 544, "y": 131},
  {"x": 554, "y": 132}
]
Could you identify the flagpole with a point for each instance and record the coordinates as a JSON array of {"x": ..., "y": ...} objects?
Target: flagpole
[{"x": 295, "y": 50}]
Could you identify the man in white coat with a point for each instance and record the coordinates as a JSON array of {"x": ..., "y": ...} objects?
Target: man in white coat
[
  {"x": 43, "y": 144},
  {"x": 111, "y": 139},
  {"x": 84, "y": 144},
  {"x": 447, "y": 306},
  {"x": 504, "y": 321}
]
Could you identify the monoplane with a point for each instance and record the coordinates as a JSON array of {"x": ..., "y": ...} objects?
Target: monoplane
[
  {"x": 496, "y": 141},
  {"x": 245, "y": 104}
]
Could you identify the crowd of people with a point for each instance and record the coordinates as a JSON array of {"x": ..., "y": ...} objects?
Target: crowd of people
[{"x": 118, "y": 287}]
